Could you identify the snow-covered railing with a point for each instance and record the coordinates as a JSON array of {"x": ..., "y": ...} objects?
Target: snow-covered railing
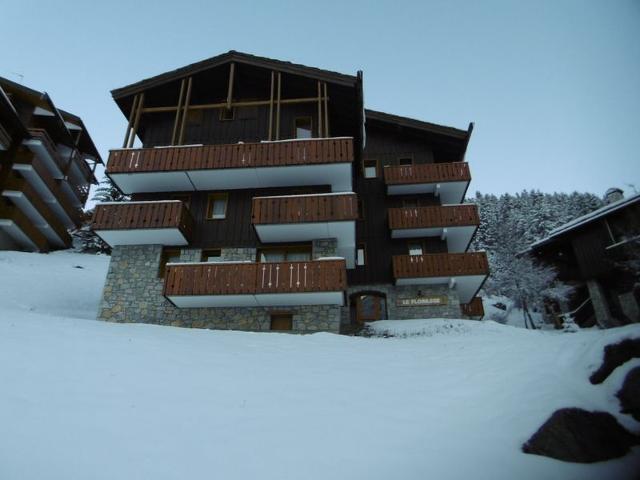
[
  {"x": 239, "y": 155},
  {"x": 304, "y": 208},
  {"x": 255, "y": 278}
]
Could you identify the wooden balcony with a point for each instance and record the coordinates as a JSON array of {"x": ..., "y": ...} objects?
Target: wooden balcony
[
  {"x": 465, "y": 272},
  {"x": 449, "y": 181},
  {"x": 473, "y": 309},
  {"x": 39, "y": 213},
  {"x": 21, "y": 232},
  {"x": 140, "y": 223},
  {"x": 302, "y": 218},
  {"x": 197, "y": 285},
  {"x": 454, "y": 223},
  {"x": 242, "y": 165},
  {"x": 41, "y": 144}
]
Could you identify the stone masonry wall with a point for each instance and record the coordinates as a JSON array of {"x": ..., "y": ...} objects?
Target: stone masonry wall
[
  {"x": 133, "y": 294},
  {"x": 324, "y": 247}
]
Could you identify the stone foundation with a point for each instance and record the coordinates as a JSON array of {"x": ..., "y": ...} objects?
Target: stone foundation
[{"x": 133, "y": 294}]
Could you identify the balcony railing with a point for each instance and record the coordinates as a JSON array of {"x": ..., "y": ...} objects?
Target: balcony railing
[
  {"x": 215, "y": 279},
  {"x": 133, "y": 216},
  {"x": 85, "y": 170},
  {"x": 50, "y": 147},
  {"x": 433, "y": 217},
  {"x": 427, "y": 173},
  {"x": 440, "y": 265},
  {"x": 240, "y": 155},
  {"x": 34, "y": 239},
  {"x": 305, "y": 209},
  {"x": 473, "y": 309}
]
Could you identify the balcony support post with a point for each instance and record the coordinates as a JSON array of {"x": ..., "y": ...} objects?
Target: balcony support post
[
  {"x": 278, "y": 106},
  {"x": 136, "y": 122},
  {"x": 232, "y": 71},
  {"x": 131, "y": 117},
  {"x": 185, "y": 110},
  {"x": 326, "y": 111},
  {"x": 271, "y": 106},
  {"x": 319, "y": 110},
  {"x": 177, "y": 120},
  {"x": 444, "y": 234}
]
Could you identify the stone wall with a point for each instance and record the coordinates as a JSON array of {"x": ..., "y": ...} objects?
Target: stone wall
[
  {"x": 324, "y": 247},
  {"x": 133, "y": 293}
]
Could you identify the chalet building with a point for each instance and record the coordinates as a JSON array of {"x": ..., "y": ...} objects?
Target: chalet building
[
  {"x": 265, "y": 197},
  {"x": 599, "y": 254},
  {"x": 47, "y": 164}
]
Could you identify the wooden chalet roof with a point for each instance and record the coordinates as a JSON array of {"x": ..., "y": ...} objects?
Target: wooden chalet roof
[{"x": 239, "y": 57}]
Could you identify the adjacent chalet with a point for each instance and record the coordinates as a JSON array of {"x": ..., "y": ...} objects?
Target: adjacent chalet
[
  {"x": 265, "y": 197},
  {"x": 47, "y": 164},
  {"x": 599, "y": 254}
]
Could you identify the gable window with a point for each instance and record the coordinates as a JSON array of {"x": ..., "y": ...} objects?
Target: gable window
[
  {"x": 169, "y": 255},
  {"x": 405, "y": 161},
  {"x": 227, "y": 114},
  {"x": 415, "y": 248},
  {"x": 284, "y": 254},
  {"x": 370, "y": 168},
  {"x": 281, "y": 321},
  {"x": 217, "y": 206},
  {"x": 214, "y": 255},
  {"x": 361, "y": 255},
  {"x": 303, "y": 127}
]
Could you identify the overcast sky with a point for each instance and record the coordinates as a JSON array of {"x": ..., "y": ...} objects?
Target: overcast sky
[{"x": 552, "y": 86}]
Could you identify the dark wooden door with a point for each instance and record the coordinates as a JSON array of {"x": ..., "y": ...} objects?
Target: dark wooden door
[{"x": 370, "y": 307}]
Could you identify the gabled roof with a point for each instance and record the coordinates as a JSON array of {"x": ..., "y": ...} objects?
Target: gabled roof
[
  {"x": 418, "y": 124},
  {"x": 239, "y": 57},
  {"x": 586, "y": 219}
]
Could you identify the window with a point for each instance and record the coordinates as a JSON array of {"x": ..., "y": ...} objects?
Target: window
[
  {"x": 405, "y": 161},
  {"x": 303, "y": 127},
  {"x": 361, "y": 255},
  {"x": 211, "y": 255},
  {"x": 370, "y": 168},
  {"x": 281, "y": 321},
  {"x": 285, "y": 254},
  {"x": 169, "y": 255},
  {"x": 227, "y": 114},
  {"x": 183, "y": 197},
  {"x": 415, "y": 248},
  {"x": 217, "y": 206}
]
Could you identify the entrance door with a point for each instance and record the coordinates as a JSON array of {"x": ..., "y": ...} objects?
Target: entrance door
[{"x": 370, "y": 307}]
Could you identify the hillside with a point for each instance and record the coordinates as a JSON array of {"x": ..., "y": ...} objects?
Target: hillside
[{"x": 87, "y": 399}]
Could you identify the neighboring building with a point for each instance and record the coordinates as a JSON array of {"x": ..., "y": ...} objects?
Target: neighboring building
[
  {"x": 47, "y": 163},
  {"x": 599, "y": 254},
  {"x": 257, "y": 204}
]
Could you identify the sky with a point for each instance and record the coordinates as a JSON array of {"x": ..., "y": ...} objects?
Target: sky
[{"x": 553, "y": 87}]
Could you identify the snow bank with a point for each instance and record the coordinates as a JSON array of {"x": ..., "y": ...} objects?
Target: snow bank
[{"x": 87, "y": 399}]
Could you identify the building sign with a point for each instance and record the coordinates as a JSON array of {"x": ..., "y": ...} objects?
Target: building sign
[{"x": 431, "y": 300}]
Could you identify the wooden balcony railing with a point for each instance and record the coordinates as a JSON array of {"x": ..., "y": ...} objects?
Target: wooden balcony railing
[
  {"x": 304, "y": 208},
  {"x": 427, "y": 173},
  {"x": 473, "y": 309},
  {"x": 11, "y": 212},
  {"x": 138, "y": 215},
  {"x": 240, "y": 155},
  {"x": 433, "y": 217},
  {"x": 440, "y": 265},
  {"x": 85, "y": 170},
  {"x": 47, "y": 143},
  {"x": 255, "y": 278}
]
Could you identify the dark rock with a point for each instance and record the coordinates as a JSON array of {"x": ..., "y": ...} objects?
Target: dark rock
[
  {"x": 575, "y": 435},
  {"x": 614, "y": 356},
  {"x": 629, "y": 394}
]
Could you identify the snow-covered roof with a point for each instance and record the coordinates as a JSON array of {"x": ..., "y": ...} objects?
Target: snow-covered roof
[{"x": 588, "y": 218}]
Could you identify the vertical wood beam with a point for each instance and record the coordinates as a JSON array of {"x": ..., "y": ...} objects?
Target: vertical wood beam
[
  {"x": 185, "y": 110},
  {"x": 177, "y": 120},
  {"x": 232, "y": 71},
  {"x": 136, "y": 122},
  {"x": 278, "y": 107},
  {"x": 319, "y": 110},
  {"x": 132, "y": 115},
  {"x": 326, "y": 111},
  {"x": 271, "y": 106}
]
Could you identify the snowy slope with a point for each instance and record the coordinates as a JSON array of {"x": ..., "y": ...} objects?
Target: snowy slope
[{"x": 84, "y": 399}]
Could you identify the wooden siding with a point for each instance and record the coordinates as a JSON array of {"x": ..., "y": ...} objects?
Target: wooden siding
[
  {"x": 433, "y": 217},
  {"x": 133, "y": 215},
  {"x": 271, "y": 154},
  {"x": 473, "y": 309},
  {"x": 427, "y": 173},
  {"x": 255, "y": 278},
  {"x": 14, "y": 214},
  {"x": 440, "y": 265},
  {"x": 304, "y": 208}
]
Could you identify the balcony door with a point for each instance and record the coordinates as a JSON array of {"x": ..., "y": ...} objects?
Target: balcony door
[{"x": 369, "y": 306}]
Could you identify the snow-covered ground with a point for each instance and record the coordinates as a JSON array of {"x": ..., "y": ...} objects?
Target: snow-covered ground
[{"x": 84, "y": 399}]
